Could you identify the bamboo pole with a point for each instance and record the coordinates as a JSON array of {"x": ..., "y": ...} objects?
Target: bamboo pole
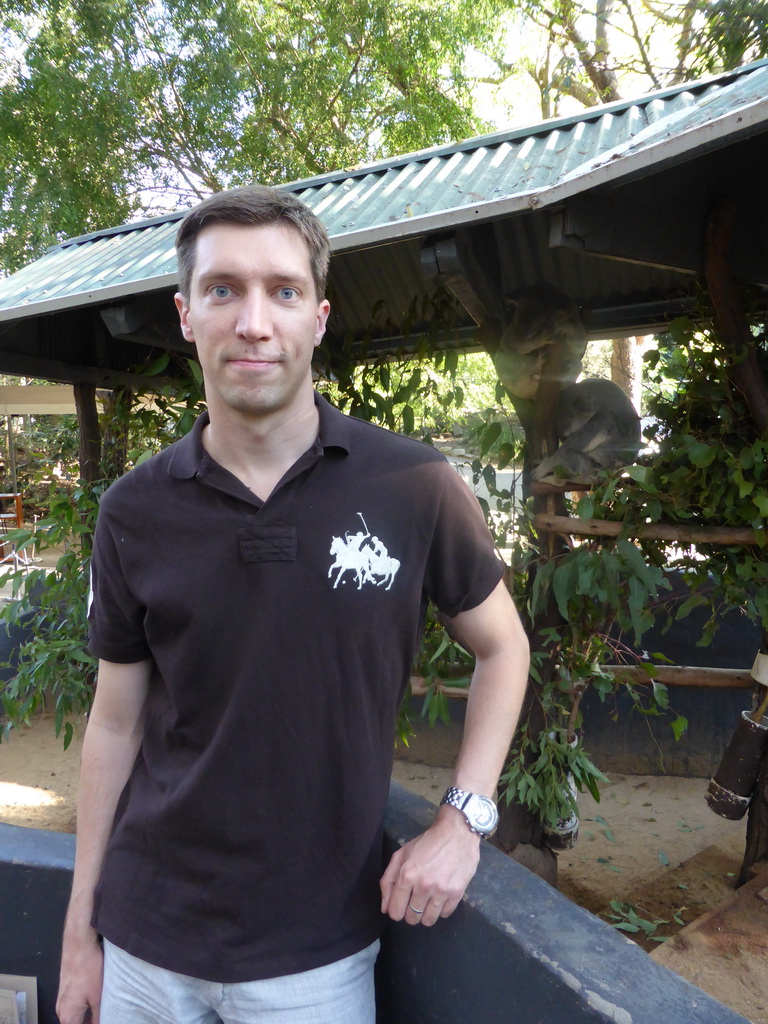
[
  {"x": 647, "y": 531},
  {"x": 669, "y": 675},
  {"x": 539, "y": 489},
  {"x": 686, "y": 675},
  {"x": 419, "y": 688}
]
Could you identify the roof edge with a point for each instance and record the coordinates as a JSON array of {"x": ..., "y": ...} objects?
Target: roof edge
[
  {"x": 524, "y": 131},
  {"x": 602, "y": 170},
  {"x": 95, "y": 297},
  {"x": 477, "y": 141}
]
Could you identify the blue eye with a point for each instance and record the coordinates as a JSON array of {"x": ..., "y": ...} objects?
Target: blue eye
[
  {"x": 287, "y": 293},
  {"x": 221, "y": 291}
]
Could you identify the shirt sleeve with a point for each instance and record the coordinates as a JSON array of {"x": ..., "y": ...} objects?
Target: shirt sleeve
[
  {"x": 463, "y": 566},
  {"x": 115, "y": 615}
]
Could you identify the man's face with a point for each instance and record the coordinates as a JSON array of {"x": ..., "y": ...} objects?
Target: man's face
[{"x": 254, "y": 315}]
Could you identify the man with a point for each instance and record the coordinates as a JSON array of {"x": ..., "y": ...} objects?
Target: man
[{"x": 237, "y": 757}]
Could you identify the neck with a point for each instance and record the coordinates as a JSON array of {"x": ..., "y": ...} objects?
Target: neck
[{"x": 260, "y": 450}]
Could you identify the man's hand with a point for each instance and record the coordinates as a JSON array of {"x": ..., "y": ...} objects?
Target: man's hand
[
  {"x": 426, "y": 878},
  {"x": 82, "y": 971}
]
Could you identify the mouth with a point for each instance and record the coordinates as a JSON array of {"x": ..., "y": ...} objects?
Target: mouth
[{"x": 249, "y": 363}]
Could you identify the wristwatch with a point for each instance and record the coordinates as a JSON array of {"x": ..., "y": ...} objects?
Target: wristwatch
[{"x": 480, "y": 811}]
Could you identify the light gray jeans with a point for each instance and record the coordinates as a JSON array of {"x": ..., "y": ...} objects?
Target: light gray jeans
[{"x": 136, "y": 992}]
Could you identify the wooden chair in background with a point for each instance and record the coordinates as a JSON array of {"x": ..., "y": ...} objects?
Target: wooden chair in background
[{"x": 11, "y": 518}]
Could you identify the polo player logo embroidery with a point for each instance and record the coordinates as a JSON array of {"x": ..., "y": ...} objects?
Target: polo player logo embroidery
[{"x": 365, "y": 556}]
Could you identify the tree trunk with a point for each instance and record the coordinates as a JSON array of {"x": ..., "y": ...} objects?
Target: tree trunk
[
  {"x": 744, "y": 369},
  {"x": 756, "y": 849},
  {"x": 747, "y": 375},
  {"x": 627, "y": 368},
  {"x": 89, "y": 433},
  {"x": 520, "y": 832}
]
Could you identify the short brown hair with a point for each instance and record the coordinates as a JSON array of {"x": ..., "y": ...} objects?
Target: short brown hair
[{"x": 253, "y": 205}]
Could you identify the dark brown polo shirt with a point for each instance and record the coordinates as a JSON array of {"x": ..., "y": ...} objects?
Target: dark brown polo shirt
[{"x": 247, "y": 842}]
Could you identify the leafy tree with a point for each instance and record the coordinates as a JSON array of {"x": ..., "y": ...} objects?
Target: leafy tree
[
  {"x": 109, "y": 108},
  {"x": 616, "y": 48}
]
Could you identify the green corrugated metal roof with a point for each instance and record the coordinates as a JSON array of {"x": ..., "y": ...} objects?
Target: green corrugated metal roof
[{"x": 473, "y": 181}]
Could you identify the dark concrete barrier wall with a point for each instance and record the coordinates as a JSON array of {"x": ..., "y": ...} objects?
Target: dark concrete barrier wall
[
  {"x": 641, "y": 744},
  {"x": 616, "y": 736},
  {"x": 35, "y": 880},
  {"x": 11, "y": 638},
  {"x": 516, "y": 951}
]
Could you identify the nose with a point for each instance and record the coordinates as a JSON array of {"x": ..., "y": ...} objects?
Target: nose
[{"x": 254, "y": 319}]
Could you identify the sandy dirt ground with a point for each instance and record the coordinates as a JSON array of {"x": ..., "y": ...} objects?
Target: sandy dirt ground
[{"x": 651, "y": 842}]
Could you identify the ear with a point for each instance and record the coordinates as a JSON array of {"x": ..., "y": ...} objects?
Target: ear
[
  {"x": 183, "y": 308},
  {"x": 323, "y": 310}
]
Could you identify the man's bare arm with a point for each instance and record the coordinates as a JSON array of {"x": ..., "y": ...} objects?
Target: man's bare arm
[
  {"x": 432, "y": 872},
  {"x": 111, "y": 743}
]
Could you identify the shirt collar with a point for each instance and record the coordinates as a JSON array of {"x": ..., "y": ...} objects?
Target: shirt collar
[
  {"x": 335, "y": 431},
  {"x": 189, "y": 453}
]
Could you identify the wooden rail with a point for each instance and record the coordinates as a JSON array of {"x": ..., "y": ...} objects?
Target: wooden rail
[
  {"x": 669, "y": 675},
  {"x": 646, "y": 531}
]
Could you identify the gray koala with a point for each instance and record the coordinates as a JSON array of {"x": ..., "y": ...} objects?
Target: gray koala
[
  {"x": 543, "y": 316},
  {"x": 598, "y": 429}
]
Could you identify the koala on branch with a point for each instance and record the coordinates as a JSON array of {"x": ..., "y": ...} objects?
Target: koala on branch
[{"x": 598, "y": 429}]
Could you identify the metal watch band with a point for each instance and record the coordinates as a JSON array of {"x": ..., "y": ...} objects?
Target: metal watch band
[
  {"x": 455, "y": 797},
  {"x": 458, "y": 798}
]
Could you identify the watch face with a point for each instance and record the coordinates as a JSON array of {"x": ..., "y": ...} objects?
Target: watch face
[{"x": 482, "y": 813}]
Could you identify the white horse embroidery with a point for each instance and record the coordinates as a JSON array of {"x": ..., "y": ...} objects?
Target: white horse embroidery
[
  {"x": 365, "y": 556},
  {"x": 382, "y": 564},
  {"x": 348, "y": 558}
]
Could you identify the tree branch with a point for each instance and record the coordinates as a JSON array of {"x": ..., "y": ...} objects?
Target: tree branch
[
  {"x": 644, "y": 58},
  {"x": 578, "y": 90},
  {"x": 600, "y": 75},
  {"x": 744, "y": 369},
  {"x": 568, "y": 525},
  {"x": 685, "y": 42}
]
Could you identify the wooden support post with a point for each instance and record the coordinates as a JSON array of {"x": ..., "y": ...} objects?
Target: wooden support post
[{"x": 90, "y": 437}]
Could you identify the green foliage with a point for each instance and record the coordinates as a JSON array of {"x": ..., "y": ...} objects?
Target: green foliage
[
  {"x": 705, "y": 466},
  {"x": 626, "y": 917},
  {"x": 588, "y": 580},
  {"x": 164, "y": 412},
  {"x": 593, "y": 587},
  {"x": 182, "y": 99},
  {"x": 54, "y": 668},
  {"x": 48, "y": 440},
  {"x": 419, "y": 394},
  {"x": 566, "y": 50},
  {"x": 542, "y": 782},
  {"x": 443, "y": 663},
  {"x": 111, "y": 109},
  {"x": 729, "y": 33}
]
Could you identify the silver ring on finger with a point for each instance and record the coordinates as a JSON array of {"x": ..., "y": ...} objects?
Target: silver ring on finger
[{"x": 415, "y": 910}]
